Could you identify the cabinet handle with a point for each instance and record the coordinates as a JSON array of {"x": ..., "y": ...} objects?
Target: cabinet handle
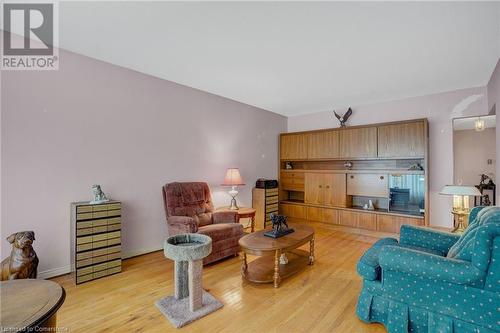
[
  {"x": 381, "y": 177},
  {"x": 327, "y": 186},
  {"x": 352, "y": 176},
  {"x": 319, "y": 186}
]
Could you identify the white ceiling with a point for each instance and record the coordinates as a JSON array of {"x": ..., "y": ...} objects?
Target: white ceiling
[{"x": 294, "y": 57}]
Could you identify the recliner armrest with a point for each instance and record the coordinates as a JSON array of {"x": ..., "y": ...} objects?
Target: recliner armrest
[
  {"x": 396, "y": 258},
  {"x": 225, "y": 217},
  {"x": 182, "y": 224},
  {"x": 427, "y": 238}
]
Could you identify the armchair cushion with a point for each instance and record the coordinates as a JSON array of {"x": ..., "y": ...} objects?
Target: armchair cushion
[
  {"x": 429, "y": 266},
  {"x": 221, "y": 231},
  {"x": 225, "y": 217},
  {"x": 182, "y": 224}
]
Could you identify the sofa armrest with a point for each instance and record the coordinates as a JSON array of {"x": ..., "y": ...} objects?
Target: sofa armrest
[
  {"x": 225, "y": 217},
  {"x": 181, "y": 225},
  {"x": 427, "y": 238},
  {"x": 422, "y": 264}
]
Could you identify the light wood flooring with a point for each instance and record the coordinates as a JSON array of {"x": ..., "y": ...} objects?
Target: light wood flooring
[{"x": 321, "y": 298}]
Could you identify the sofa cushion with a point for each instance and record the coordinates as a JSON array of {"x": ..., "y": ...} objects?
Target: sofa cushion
[
  {"x": 221, "y": 231},
  {"x": 368, "y": 266}
]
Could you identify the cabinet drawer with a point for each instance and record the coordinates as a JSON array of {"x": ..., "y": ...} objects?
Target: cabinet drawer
[
  {"x": 84, "y": 278},
  {"x": 368, "y": 185},
  {"x": 114, "y": 206},
  {"x": 83, "y": 240},
  {"x": 271, "y": 192},
  {"x": 83, "y": 232},
  {"x": 271, "y": 208},
  {"x": 99, "y": 208},
  {"x": 83, "y": 216},
  {"x": 115, "y": 212},
  {"x": 84, "y": 224},
  {"x": 272, "y": 200},
  {"x": 84, "y": 209},
  {"x": 84, "y": 271}
]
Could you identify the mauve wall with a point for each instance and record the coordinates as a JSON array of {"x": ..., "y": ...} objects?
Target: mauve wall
[
  {"x": 439, "y": 109},
  {"x": 95, "y": 123},
  {"x": 494, "y": 101}
]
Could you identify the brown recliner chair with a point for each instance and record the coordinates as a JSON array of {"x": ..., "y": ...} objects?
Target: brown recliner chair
[{"x": 189, "y": 209}]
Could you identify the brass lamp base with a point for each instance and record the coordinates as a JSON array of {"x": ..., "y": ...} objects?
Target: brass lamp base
[{"x": 462, "y": 217}]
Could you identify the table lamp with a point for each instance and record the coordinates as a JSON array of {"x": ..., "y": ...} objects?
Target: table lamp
[
  {"x": 233, "y": 179},
  {"x": 460, "y": 202}
]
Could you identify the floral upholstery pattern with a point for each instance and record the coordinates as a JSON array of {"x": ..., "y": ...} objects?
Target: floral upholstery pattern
[{"x": 432, "y": 281}]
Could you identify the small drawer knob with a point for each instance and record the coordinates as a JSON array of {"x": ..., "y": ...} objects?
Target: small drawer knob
[
  {"x": 352, "y": 176},
  {"x": 381, "y": 177}
]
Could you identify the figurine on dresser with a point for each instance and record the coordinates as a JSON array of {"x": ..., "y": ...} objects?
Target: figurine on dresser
[
  {"x": 98, "y": 195},
  {"x": 23, "y": 261}
]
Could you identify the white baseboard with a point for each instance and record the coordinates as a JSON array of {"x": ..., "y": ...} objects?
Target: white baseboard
[
  {"x": 54, "y": 272},
  {"x": 50, "y": 273},
  {"x": 139, "y": 252}
]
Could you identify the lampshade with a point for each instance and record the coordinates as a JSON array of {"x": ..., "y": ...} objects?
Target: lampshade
[
  {"x": 460, "y": 190},
  {"x": 233, "y": 177}
]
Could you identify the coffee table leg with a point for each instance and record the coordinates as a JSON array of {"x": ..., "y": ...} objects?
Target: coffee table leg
[
  {"x": 252, "y": 223},
  {"x": 277, "y": 269},
  {"x": 244, "y": 265},
  {"x": 311, "y": 251}
]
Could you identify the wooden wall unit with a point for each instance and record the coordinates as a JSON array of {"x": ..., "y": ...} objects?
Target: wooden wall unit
[{"x": 320, "y": 188}]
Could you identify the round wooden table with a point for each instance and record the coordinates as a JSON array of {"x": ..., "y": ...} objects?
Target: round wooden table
[
  {"x": 267, "y": 268},
  {"x": 30, "y": 305},
  {"x": 243, "y": 212}
]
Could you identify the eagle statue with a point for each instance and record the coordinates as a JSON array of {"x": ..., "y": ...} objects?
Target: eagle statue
[{"x": 343, "y": 119}]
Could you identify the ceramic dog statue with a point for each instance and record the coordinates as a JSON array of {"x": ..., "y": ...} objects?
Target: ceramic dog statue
[{"x": 22, "y": 262}]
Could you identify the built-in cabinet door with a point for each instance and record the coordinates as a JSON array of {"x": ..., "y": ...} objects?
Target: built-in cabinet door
[
  {"x": 314, "y": 193},
  {"x": 368, "y": 185},
  {"x": 335, "y": 189},
  {"x": 401, "y": 140},
  {"x": 293, "y": 146},
  {"x": 294, "y": 211},
  {"x": 323, "y": 144},
  {"x": 358, "y": 142},
  {"x": 348, "y": 218}
]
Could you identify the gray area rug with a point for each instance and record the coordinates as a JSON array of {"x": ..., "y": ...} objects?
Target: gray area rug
[{"x": 178, "y": 313}]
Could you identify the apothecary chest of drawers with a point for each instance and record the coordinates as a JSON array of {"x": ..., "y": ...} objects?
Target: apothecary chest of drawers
[{"x": 96, "y": 239}]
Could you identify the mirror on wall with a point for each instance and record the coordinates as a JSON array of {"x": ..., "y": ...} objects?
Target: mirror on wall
[{"x": 474, "y": 156}]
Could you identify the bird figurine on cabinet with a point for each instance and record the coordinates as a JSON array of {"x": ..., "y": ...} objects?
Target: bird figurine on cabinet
[{"x": 343, "y": 119}]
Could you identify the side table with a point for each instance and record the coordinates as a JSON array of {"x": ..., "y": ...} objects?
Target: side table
[{"x": 243, "y": 212}]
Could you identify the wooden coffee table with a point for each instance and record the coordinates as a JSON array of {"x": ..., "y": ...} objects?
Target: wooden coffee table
[{"x": 267, "y": 268}]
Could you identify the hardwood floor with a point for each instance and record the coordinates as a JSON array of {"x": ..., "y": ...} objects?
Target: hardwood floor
[{"x": 321, "y": 298}]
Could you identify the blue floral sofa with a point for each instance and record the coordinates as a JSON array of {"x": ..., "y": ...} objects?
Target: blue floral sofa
[{"x": 435, "y": 282}]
